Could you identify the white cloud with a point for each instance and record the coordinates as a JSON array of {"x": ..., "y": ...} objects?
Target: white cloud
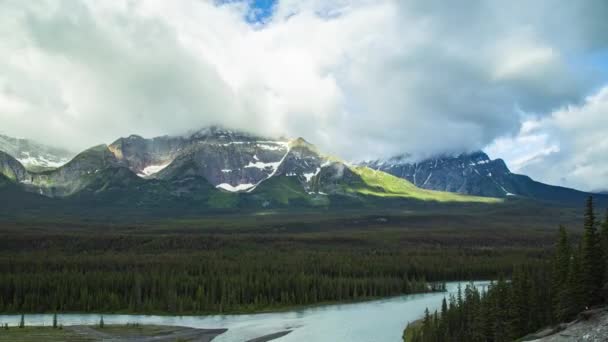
[
  {"x": 359, "y": 78},
  {"x": 568, "y": 148}
]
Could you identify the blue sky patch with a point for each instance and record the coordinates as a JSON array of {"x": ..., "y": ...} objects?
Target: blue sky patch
[{"x": 259, "y": 10}]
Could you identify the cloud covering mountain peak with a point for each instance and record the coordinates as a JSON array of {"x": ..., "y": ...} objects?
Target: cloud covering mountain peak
[{"x": 385, "y": 76}]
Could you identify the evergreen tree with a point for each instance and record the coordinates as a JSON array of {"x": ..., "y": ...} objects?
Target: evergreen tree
[
  {"x": 444, "y": 308},
  {"x": 604, "y": 237},
  {"x": 604, "y": 234},
  {"x": 572, "y": 299},
  {"x": 502, "y": 323},
  {"x": 101, "y": 323},
  {"x": 55, "y": 321},
  {"x": 561, "y": 267},
  {"x": 519, "y": 303},
  {"x": 592, "y": 261},
  {"x": 22, "y": 322},
  {"x": 426, "y": 326},
  {"x": 443, "y": 333}
]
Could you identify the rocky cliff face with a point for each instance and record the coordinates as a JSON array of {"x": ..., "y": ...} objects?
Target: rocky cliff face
[{"x": 230, "y": 160}]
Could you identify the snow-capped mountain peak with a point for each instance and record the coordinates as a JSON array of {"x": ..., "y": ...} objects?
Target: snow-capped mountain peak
[{"x": 33, "y": 155}]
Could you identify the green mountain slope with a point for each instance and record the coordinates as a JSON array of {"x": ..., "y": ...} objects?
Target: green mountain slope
[
  {"x": 284, "y": 191},
  {"x": 382, "y": 184}
]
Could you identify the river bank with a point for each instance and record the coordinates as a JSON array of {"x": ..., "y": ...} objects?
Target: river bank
[{"x": 378, "y": 320}]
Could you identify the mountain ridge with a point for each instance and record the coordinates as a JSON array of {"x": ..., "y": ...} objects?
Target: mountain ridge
[
  {"x": 211, "y": 168},
  {"x": 217, "y": 167}
]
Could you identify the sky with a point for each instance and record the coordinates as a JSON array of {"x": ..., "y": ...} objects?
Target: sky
[{"x": 526, "y": 81}]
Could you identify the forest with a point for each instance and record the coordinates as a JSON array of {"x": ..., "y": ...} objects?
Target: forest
[
  {"x": 206, "y": 267},
  {"x": 573, "y": 279}
]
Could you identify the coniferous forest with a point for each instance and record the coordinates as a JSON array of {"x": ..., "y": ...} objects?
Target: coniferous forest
[
  {"x": 194, "y": 267},
  {"x": 574, "y": 279}
]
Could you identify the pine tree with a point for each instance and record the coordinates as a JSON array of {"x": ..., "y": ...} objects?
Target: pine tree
[
  {"x": 604, "y": 234},
  {"x": 519, "y": 303},
  {"x": 604, "y": 242},
  {"x": 22, "y": 322},
  {"x": 442, "y": 327},
  {"x": 502, "y": 323},
  {"x": 572, "y": 300},
  {"x": 55, "y": 321},
  {"x": 604, "y": 237},
  {"x": 101, "y": 323},
  {"x": 592, "y": 261},
  {"x": 426, "y": 325},
  {"x": 561, "y": 266}
]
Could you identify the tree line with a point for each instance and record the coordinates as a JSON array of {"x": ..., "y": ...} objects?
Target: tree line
[
  {"x": 183, "y": 272},
  {"x": 212, "y": 282},
  {"x": 573, "y": 280}
]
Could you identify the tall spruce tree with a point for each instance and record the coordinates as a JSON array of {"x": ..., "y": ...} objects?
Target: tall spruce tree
[
  {"x": 561, "y": 266},
  {"x": 572, "y": 300},
  {"x": 604, "y": 237},
  {"x": 592, "y": 261}
]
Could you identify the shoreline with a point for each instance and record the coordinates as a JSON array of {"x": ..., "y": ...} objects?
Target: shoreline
[
  {"x": 234, "y": 313},
  {"x": 263, "y": 326}
]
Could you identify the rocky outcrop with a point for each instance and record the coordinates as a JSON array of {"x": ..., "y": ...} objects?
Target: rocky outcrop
[{"x": 591, "y": 326}]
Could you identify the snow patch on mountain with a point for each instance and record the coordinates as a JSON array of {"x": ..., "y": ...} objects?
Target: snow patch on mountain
[
  {"x": 310, "y": 175},
  {"x": 262, "y": 166},
  {"x": 274, "y": 146},
  {"x": 235, "y": 188},
  {"x": 41, "y": 161},
  {"x": 152, "y": 169},
  {"x": 276, "y": 168}
]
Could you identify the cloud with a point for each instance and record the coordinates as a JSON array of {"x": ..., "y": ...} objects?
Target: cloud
[
  {"x": 359, "y": 78},
  {"x": 568, "y": 147}
]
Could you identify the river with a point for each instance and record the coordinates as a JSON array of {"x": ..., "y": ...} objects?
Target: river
[{"x": 373, "y": 321}]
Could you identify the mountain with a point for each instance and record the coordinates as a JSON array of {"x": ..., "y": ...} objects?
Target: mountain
[
  {"x": 214, "y": 168},
  {"x": 230, "y": 160},
  {"x": 33, "y": 155},
  {"x": 475, "y": 174}
]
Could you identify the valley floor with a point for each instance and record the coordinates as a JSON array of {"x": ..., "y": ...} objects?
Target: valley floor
[{"x": 252, "y": 263}]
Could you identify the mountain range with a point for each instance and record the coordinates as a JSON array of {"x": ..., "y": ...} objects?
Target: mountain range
[{"x": 218, "y": 169}]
